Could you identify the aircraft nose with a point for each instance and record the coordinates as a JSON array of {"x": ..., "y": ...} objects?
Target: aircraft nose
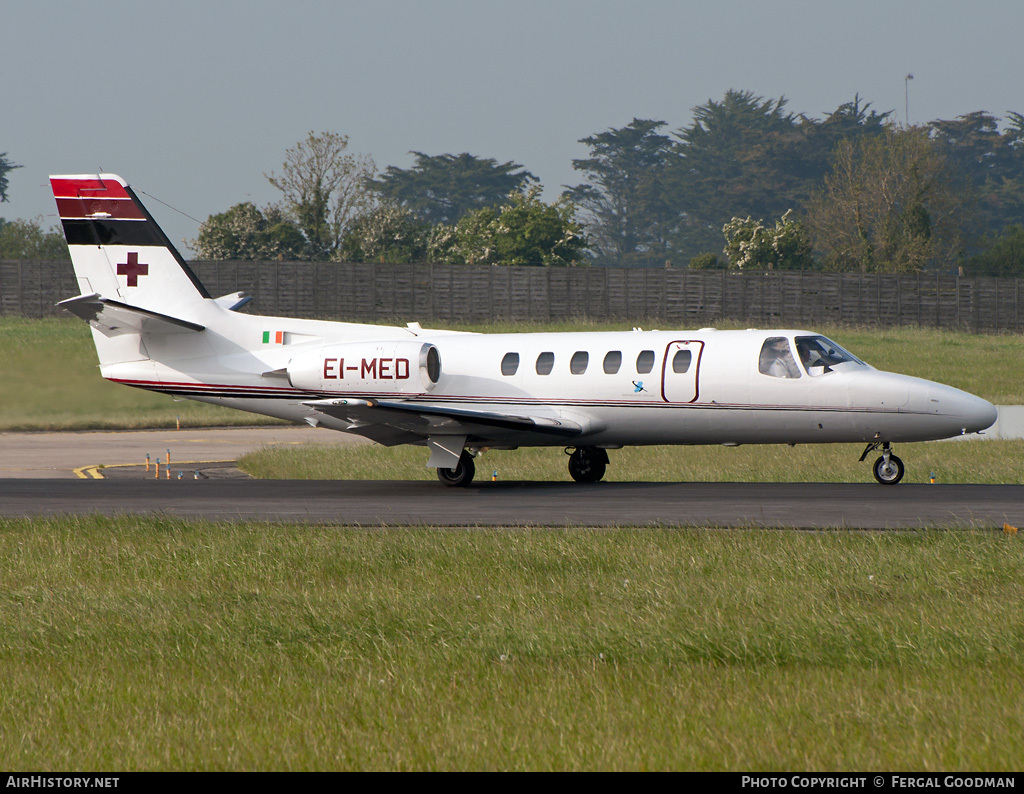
[
  {"x": 983, "y": 415},
  {"x": 972, "y": 414}
]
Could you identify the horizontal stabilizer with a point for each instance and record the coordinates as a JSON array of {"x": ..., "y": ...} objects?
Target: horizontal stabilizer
[
  {"x": 113, "y": 318},
  {"x": 234, "y": 301}
]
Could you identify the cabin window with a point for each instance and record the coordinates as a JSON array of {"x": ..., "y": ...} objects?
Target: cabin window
[
  {"x": 645, "y": 362},
  {"x": 819, "y": 355},
  {"x": 510, "y": 364},
  {"x": 681, "y": 361},
  {"x": 578, "y": 362},
  {"x": 612, "y": 362},
  {"x": 776, "y": 359},
  {"x": 545, "y": 363}
]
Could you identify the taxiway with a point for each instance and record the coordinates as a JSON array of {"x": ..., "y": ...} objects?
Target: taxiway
[{"x": 377, "y": 503}]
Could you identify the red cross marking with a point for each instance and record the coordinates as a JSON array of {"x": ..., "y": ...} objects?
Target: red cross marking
[{"x": 132, "y": 269}]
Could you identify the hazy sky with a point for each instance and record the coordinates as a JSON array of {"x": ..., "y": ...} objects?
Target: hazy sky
[{"x": 192, "y": 101}]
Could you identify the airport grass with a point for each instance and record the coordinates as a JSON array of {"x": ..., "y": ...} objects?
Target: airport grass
[
  {"x": 134, "y": 644},
  {"x": 983, "y": 462},
  {"x": 50, "y": 379}
]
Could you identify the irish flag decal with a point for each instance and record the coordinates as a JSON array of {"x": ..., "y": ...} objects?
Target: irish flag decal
[{"x": 273, "y": 337}]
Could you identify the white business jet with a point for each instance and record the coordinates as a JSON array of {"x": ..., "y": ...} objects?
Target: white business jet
[{"x": 458, "y": 394}]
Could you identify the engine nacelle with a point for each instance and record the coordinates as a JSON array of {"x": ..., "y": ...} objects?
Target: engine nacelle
[{"x": 368, "y": 367}]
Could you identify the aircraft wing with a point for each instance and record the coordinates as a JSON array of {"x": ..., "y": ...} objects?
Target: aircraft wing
[
  {"x": 423, "y": 420},
  {"x": 113, "y": 318}
]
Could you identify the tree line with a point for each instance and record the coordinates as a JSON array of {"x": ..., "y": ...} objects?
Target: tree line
[
  {"x": 747, "y": 184},
  {"x": 26, "y": 239}
]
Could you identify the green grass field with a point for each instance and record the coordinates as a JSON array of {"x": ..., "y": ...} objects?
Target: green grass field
[
  {"x": 160, "y": 644},
  {"x": 51, "y": 379},
  {"x": 954, "y": 462}
]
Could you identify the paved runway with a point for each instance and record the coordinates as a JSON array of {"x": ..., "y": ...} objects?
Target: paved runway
[
  {"x": 373, "y": 504},
  {"x": 77, "y": 455},
  {"x": 53, "y": 473}
]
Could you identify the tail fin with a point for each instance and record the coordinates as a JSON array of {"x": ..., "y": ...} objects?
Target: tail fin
[
  {"x": 138, "y": 294},
  {"x": 118, "y": 251}
]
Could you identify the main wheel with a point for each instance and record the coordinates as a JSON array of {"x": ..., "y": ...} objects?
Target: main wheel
[
  {"x": 888, "y": 473},
  {"x": 587, "y": 464},
  {"x": 461, "y": 475}
]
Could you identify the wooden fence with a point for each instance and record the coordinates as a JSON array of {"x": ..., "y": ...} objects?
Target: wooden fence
[{"x": 672, "y": 297}]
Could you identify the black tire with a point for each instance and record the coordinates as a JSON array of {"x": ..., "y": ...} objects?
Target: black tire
[
  {"x": 587, "y": 464},
  {"x": 461, "y": 475},
  {"x": 888, "y": 475}
]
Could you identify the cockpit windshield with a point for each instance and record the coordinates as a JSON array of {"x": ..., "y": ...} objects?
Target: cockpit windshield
[{"x": 821, "y": 355}]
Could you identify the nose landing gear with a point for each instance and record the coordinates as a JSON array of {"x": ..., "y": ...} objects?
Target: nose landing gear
[{"x": 888, "y": 469}]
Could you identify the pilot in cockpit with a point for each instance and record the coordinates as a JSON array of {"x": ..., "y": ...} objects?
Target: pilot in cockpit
[
  {"x": 776, "y": 359},
  {"x": 810, "y": 353}
]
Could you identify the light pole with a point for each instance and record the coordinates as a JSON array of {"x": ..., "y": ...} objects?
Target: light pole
[{"x": 906, "y": 98}]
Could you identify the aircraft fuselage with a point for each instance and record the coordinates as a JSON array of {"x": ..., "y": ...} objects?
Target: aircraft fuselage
[{"x": 619, "y": 388}]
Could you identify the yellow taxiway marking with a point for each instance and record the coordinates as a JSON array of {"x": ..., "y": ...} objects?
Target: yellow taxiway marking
[{"x": 93, "y": 470}]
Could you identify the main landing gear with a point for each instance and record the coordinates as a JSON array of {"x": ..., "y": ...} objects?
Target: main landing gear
[
  {"x": 461, "y": 475},
  {"x": 888, "y": 469},
  {"x": 587, "y": 464}
]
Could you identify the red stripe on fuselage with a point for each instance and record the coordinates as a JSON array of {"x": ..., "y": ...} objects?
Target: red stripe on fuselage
[
  {"x": 88, "y": 188},
  {"x": 146, "y": 384},
  {"x": 87, "y": 207}
]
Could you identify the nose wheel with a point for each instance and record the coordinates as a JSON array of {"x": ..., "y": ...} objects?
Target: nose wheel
[
  {"x": 888, "y": 472},
  {"x": 888, "y": 469}
]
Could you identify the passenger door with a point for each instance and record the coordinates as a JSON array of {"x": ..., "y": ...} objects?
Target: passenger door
[{"x": 680, "y": 371}]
